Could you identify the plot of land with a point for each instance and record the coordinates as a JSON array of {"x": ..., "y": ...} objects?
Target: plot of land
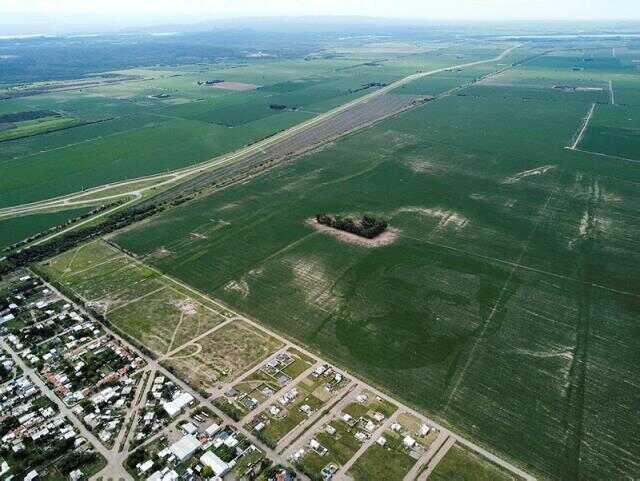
[
  {"x": 233, "y": 86},
  {"x": 462, "y": 465},
  {"x": 221, "y": 355},
  {"x": 384, "y": 463},
  {"x": 156, "y": 312}
]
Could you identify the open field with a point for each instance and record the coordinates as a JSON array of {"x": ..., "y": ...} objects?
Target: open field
[
  {"x": 462, "y": 465},
  {"x": 36, "y": 127},
  {"x": 19, "y": 228},
  {"x": 388, "y": 463},
  {"x": 152, "y": 120},
  {"x": 505, "y": 306},
  {"x": 154, "y": 311},
  {"x": 221, "y": 355}
]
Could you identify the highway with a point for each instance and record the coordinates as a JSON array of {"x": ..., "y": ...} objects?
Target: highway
[{"x": 88, "y": 197}]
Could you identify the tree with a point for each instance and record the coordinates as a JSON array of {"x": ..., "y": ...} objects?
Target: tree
[{"x": 207, "y": 471}]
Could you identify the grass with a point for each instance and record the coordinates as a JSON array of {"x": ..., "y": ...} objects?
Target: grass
[
  {"x": 381, "y": 463},
  {"x": 221, "y": 355},
  {"x": 155, "y": 311},
  {"x": 19, "y": 228},
  {"x": 504, "y": 309},
  {"x": 462, "y": 465},
  {"x": 279, "y": 426}
]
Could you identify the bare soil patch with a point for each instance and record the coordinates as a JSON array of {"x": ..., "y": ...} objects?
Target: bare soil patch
[
  {"x": 386, "y": 238},
  {"x": 239, "y": 86}
]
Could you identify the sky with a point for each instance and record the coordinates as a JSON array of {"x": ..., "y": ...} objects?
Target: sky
[{"x": 125, "y": 13}]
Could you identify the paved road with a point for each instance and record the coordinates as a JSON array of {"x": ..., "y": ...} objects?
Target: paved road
[
  {"x": 113, "y": 470},
  {"x": 426, "y": 457},
  {"x": 424, "y": 475}
]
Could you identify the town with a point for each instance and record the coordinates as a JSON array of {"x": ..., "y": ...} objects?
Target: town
[{"x": 107, "y": 410}]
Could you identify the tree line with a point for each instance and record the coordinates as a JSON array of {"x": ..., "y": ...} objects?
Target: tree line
[{"x": 60, "y": 244}]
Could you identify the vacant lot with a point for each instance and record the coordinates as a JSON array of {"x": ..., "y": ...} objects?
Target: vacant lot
[
  {"x": 504, "y": 308},
  {"x": 462, "y": 465},
  {"x": 221, "y": 355},
  {"x": 157, "y": 312}
]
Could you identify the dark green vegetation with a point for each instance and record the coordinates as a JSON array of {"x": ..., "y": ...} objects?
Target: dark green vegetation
[
  {"x": 72, "y": 238},
  {"x": 507, "y": 306},
  {"x": 614, "y": 130},
  {"x": 462, "y": 465},
  {"x": 19, "y": 228},
  {"x": 368, "y": 226}
]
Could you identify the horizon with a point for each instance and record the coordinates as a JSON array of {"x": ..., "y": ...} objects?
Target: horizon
[{"x": 75, "y": 16}]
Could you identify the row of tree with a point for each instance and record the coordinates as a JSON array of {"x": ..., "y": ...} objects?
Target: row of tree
[
  {"x": 60, "y": 244},
  {"x": 368, "y": 226}
]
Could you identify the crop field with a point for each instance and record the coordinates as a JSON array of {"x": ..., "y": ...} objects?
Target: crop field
[
  {"x": 504, "y": 308},
  {"x": 221, "y": 355},
  {"x": 462, "y": 465},
  {"x": 18, "y": 228},
  {"x": 614, "y": 130},
  {"x": 145, "y": 121}
]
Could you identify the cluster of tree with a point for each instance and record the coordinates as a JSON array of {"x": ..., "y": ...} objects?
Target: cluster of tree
[
  {"x": 368, "y": 227},
  {"x": 137, "y": 457},
  {"x": 27, "y": 115},
  {"x": 67, "y": 241},
  {"x": 210, "y": 82},
  {"x": 368, "y": 86},
  {"x": 76, "y": 460},
  {"x": 4, "y": 373}
]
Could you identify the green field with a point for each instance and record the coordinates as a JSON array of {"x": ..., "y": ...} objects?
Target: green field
[
  {"x": 388, "y": 463},
  {"x": 35, "y": 127},
  {"x": 506, "y": 306},
  {"x": 20, "y": 228},
  {"x": 159, "y": 119},
  {"x": 614, "y": 130},
  {"x": 156, "y": 312},
  {"x": 461, "y": 465}
]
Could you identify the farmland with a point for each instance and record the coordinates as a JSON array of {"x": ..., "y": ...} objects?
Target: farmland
[
  {"x": 157, "y": 119},
  {"x": 505, "y": 307}
]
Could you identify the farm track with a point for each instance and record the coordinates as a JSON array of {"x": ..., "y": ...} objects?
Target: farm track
[
  {"x": 574, "y": 415},
  {"x": 354, "y": 115},
  {"x": 583, "y": 129}
]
